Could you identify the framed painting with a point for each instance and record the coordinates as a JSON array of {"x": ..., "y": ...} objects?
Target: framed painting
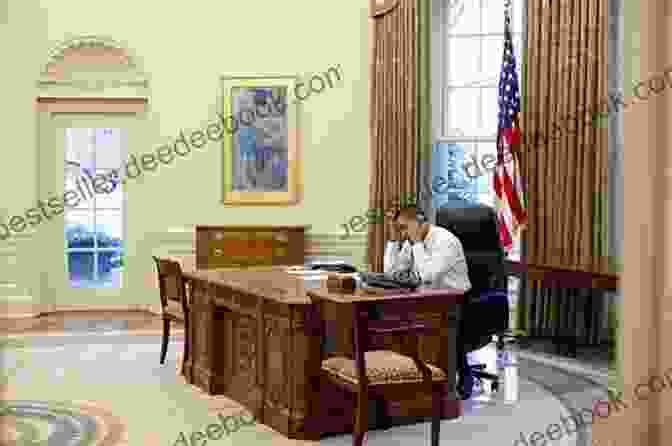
[{"x": 261, "y": 146}]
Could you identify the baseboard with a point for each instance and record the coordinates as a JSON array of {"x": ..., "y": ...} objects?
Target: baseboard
[
  {"x": 57, "y": 308},
  {"x": 25, "y": 310},
  {"x": 20, "y": 310}
]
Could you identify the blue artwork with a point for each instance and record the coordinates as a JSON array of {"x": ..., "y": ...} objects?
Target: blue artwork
[
  {"x": 247, "y": 139},
  {"x": 260, "y": 146}
]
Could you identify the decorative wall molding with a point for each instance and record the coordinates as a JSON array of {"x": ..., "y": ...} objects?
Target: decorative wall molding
[
  {"x": 94, "y": 84},
  {"x": 16, "y": 301},
  {"x": 92, "y": 64},
  {"x": 180, "y": 241},
  {"x": 320, "y": 247},
  {"x": 84, "y": 44},
  {"x": 16, "y": 296}
]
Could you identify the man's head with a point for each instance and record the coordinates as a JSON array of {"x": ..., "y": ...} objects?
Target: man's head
[{"x": 408, "y": 220}]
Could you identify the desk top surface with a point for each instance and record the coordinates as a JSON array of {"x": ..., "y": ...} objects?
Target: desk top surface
[{"x": 291, "y": 285}]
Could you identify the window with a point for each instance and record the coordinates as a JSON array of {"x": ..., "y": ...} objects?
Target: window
[
  {"x": 94, "y": 227},
  {"x": 467, "y": 52}
]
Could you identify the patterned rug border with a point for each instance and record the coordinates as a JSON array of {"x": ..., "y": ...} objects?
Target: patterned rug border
[{"x": 108, "y": 429}]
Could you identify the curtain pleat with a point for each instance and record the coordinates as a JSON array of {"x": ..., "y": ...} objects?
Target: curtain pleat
[
  {"x": 565, "y": 163},
  {"x": 393, "y": 121},
  {"x": 424, "y": 108}
]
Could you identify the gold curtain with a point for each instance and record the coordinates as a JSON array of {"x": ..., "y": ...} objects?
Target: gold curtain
[
  {"x": 393, "y": 113},
  {"x": 564, "y": 151}
]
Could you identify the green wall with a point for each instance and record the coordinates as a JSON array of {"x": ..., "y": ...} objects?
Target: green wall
[{"x": 185, "y": 47}]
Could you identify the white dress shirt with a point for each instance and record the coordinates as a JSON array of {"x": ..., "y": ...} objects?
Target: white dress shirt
[{"x": 438, "y": 260}]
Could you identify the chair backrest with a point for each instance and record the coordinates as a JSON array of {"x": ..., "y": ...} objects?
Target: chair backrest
[
  {"x": 476, "y": 227},
  {"x": 171, "y": 283},
  {"x": 488, "y": 310}
]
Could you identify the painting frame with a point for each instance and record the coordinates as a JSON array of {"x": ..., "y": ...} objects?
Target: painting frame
[{"x": 234, "y": 196}]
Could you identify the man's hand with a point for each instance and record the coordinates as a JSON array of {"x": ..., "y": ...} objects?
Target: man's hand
[
  {"x": 417, "y": 234},
  {"x": 395, "y": 232}
]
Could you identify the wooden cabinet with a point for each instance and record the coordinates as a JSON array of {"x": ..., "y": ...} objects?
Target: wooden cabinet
[
  {"x": 243, "y": 246},
  {"x": 247, "y": 332}
]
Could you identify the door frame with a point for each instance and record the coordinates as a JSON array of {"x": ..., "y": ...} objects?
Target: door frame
[
  {"x": 50, "y": 111},
  {"x": 646, "y": 284},
  {"x": 90, "y": 74},
  {"x": 49, "y": 236}
]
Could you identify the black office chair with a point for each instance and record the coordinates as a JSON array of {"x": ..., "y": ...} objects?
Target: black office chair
[{"x": 486, "y": 309}]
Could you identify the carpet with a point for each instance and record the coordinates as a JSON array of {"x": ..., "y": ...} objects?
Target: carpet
[{"x": 95, "y": 388}]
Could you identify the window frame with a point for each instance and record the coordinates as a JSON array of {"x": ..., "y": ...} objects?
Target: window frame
[
  {"x": 443, "y": 87},
  {"x": 93, "y": 211}
]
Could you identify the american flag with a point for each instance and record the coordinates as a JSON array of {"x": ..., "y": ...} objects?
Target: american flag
[{"x": 510, "y": 205}]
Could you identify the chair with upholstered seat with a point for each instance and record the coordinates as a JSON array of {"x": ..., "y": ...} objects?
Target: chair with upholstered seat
[
  {"x": 383, "y": 373},
  {"x": 174, "y": 303},
  {"x": 486, "y": 309}
]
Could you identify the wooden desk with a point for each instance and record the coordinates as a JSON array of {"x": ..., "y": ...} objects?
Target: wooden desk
[{"x": 250, "y": 342}]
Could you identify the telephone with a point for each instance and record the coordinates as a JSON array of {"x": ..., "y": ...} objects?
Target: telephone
[{"x": 334, "y": 267}]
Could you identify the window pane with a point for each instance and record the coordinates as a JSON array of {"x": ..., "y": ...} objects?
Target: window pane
[
  {"x": 79, "y": 229},
  {"x": 78, "y": 190},
  {"x": 464, "y": 70},
  {"x": 79, "y": 148},
  {"x": 109, "y": 148},
  {"x": 462, "y": 107},
  {"x": 113, "y": 199},
  {"x": 517, "y": 17},
  {"x": 109, "y": 229},
  {"x": 462, "y": 16},
  {"x": 80, "y": 269},
  {"x": 487, "y": 156},
  {"x": 489, "y": 110},
  {"x": 110, "y": 267},
  {"x": 493, "y": 17},
  {"x": 493, "y": 51},
  {"x": 454, "y": 133}
]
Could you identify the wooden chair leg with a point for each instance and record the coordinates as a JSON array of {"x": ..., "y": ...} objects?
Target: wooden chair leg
[
  {"x": 361, "y": 422},
  {"x": 164, "y": 341},
  {"x": 185, "y": 355},
  {"x": 438, "y": 392}
]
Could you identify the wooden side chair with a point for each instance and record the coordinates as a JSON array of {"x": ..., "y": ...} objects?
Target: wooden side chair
[
  {"x": 383, "y": 373},
  {"x": 174, "y": 303}
]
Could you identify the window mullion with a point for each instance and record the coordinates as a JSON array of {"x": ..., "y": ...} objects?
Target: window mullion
[{"x": 95, "y": 210}]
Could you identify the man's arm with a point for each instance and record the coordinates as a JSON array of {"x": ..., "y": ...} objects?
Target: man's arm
[
  {"x": 441, "y": 258},
  {"x": 397, "y": 256}
]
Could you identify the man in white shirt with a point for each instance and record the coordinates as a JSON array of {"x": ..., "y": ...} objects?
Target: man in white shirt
[{"x": 431, "y": 253}]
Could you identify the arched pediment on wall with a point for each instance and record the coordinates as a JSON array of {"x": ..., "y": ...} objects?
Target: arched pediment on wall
[{"x": 96, "y": 65}]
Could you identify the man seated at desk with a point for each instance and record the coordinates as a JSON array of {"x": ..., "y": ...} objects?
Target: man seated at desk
[{"x": 431, "y": 253}]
